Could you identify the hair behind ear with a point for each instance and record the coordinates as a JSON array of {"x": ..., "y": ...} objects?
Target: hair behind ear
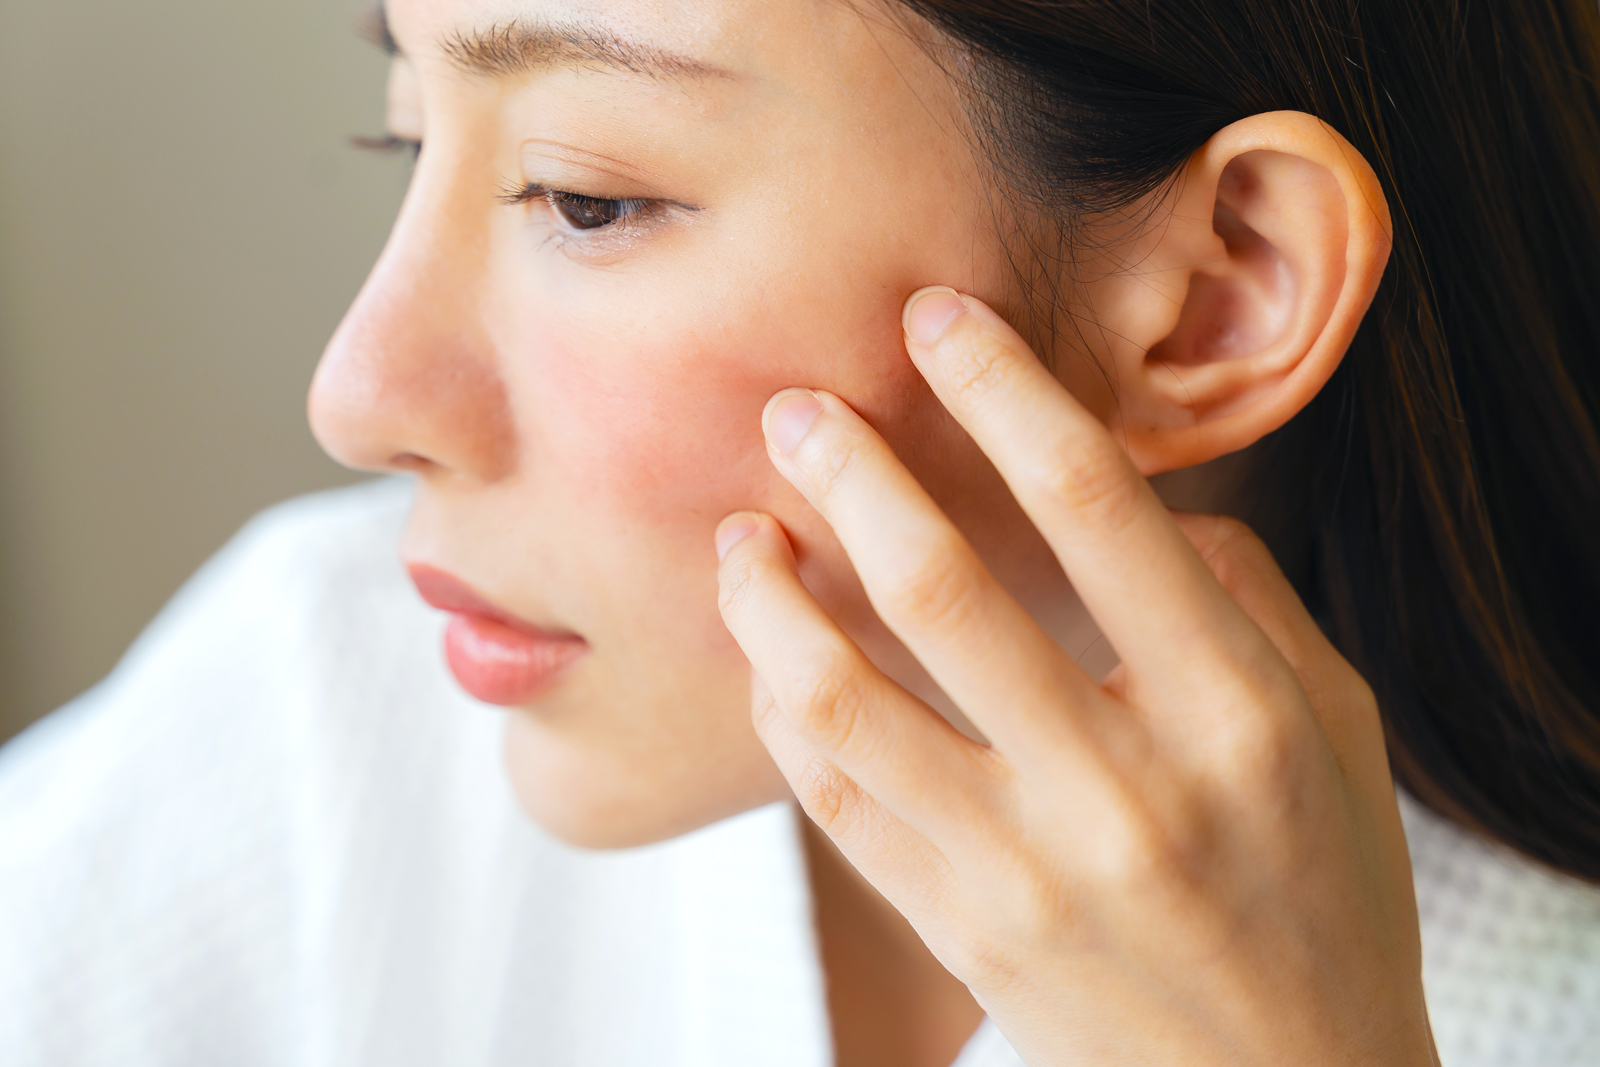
[{"x": 1437, "y": 504}]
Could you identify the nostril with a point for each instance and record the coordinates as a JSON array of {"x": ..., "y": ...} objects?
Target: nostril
[
  {"x": 412, "y": 385},
  {"x": 409, "y": 461}
]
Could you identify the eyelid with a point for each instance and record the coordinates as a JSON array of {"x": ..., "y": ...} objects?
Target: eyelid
[
  {"x": 598, "y": 239},
  {"x": 540, "y": 155},
  {"x": 586, "y": 241},
  {"x": 531, "y": 191}
]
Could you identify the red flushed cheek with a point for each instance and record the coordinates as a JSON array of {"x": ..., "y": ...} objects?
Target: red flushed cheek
[
  {"x": 647, "y": 453},
  {"x": 635, "y": 443},
  {"x": 650, "y": 446},
  {"x": 670, "y": 433}
]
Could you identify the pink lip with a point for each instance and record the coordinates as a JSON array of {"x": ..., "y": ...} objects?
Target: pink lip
[{"x": 497, "y": 657}]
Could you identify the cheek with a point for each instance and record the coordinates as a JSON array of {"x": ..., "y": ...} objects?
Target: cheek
[
  {"x": 638, "y": 450},
  {"x": 657, "y": 448},
  {"x": 667, "y": 435}
]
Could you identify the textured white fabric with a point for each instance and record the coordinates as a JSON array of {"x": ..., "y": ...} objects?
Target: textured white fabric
[
  {"x": 279, "y": 835},
  {"x": 1511, "y": 953}
]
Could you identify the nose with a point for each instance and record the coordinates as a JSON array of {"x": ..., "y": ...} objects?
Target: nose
[{"x": 409, "y": 380}]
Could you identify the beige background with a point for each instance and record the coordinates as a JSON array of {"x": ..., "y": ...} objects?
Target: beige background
[{"x": 181, "y": 225}]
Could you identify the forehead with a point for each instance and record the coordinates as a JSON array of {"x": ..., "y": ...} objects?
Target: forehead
[{"x": 743, "y": 40}]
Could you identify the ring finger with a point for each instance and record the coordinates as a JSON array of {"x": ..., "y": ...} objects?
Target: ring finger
[
  {"x": 925, "y": 581},
  {"x": 840, "y": 706}
]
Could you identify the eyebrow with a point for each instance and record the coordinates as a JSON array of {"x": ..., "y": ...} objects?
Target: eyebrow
[{"x": 524, "y": 45}]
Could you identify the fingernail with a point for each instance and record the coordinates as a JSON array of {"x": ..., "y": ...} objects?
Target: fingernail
[
  {"x": 929, "y": 315},
  {"x": 790, "y": 419},
  {"x": 732, "y": 530}
]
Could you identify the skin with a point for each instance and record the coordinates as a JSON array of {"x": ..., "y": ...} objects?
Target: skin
[{"x": 581, "y": 408}]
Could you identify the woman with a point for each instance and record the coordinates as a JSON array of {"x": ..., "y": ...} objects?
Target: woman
[{"x": 878, "y": 318}]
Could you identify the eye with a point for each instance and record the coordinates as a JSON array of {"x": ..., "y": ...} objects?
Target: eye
[
  {"x": 579, "y": 212},
  {"x": 592, "y": 212}
]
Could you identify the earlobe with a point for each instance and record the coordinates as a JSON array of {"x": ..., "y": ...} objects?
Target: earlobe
[{"x": 1250, "y": 285}]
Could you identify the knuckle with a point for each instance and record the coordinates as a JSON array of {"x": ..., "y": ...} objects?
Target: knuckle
[
  {"x": 741, "y": 577},
  {"x": 981, "y": 961},
  {"x": 929, "y": 589},
  {"x": 1240, "y": 535},
  {"x": 1141, "y": 858},
  {"x": 1092, "y": 479},
  {"x": 830, "y": 464},
  {"x": 1265, "y": 750},
  {"x": 1230, "y": 537},
  {"x": 980, "y": 369},
  {"x": 831, "y": 699},
  {"x": 1264, "y": 755},
  {"x": 1138, "y": 852},
  {"x": 827, "y": 795},
  {"x": 1234, "y": 552}
]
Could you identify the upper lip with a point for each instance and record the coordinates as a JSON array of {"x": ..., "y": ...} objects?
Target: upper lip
[{"x": 446, "y": 592}]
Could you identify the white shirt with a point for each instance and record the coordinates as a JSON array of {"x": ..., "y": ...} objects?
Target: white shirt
[{"x": 278, "y": 834}]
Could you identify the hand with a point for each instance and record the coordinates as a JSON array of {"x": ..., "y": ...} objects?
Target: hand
[{"x": 1197, "y": 861}]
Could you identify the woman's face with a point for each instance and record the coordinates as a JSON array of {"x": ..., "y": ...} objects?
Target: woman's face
[{"x": 578, "y": 383}]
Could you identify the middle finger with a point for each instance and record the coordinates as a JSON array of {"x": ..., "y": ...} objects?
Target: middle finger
[
  {"x": 923, "y": 578},
  {"x": 1153, "y": 597}
]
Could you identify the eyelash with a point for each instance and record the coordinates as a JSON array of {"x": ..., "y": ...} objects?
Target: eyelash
[
  {"x": 582, "y": 213},
  {"x": 613, "y": 214}
]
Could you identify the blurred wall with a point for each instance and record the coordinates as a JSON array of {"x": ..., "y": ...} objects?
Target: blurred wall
[{"x": 181, "y": 226}]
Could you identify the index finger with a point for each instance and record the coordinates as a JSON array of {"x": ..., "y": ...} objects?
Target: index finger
[{"x": 1154, "y": 598}]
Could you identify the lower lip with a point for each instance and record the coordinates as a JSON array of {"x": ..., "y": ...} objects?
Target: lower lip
[{"x": 500, "y": 665}]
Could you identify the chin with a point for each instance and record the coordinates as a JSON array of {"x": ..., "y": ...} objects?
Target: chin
[{"x": 593, "y": 795}]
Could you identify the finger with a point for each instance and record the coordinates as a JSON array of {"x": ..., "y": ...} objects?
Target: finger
[
  {"x": 923, "y": 578},
  {"x": 1155, "y": 600},
  {"x": 837, "y": 702},
  {"x": 908, "y": 869},
  {"x": 1246, "y": 570}
]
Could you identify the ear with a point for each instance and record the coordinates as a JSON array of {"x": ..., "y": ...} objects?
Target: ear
[{"x": 1234, "y": 300}]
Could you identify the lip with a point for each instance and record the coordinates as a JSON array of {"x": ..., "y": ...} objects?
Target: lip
[{"x": 497, "y": 657}]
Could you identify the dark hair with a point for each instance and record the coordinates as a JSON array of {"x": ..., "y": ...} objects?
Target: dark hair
[{"x": 1438, "y": 504}]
